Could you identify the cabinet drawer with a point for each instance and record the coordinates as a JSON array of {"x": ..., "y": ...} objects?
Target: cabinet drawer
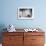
[
  {"x": 37, "y": 44},
  {"x": 8, "y": 45},
  {"x": 18, "y": 44},
  {"x": 13, "y": 33},
  {"x": 27, "y": 38},
  {"x": 37, "y": 39},
  {"x": 34, "y": 33}
]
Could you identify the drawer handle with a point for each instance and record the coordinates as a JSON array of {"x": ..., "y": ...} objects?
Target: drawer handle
[
  {"x": 11, "y": 38},
  {"x": 33, "y": 39}
]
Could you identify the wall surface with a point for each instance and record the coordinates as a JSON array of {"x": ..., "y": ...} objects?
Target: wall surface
[{"x": 9, "y": 13}]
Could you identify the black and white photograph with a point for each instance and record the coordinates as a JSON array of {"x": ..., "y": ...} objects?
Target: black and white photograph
[{"x": 25, "y": 13}]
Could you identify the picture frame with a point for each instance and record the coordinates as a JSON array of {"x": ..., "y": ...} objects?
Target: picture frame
[{"x": 25, "y": 13}]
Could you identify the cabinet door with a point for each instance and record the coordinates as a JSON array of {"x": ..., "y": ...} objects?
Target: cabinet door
[
  {"x": 13, "y": 40},
  {"x": 37, "y": 40},
  {"x": 27, "y": 40}
]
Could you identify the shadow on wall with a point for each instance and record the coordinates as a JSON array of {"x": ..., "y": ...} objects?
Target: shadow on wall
[{"x": 2, "y": 26}]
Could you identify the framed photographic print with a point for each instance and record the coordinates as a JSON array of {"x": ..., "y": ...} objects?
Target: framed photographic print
[{"x": 25, "y": 13}]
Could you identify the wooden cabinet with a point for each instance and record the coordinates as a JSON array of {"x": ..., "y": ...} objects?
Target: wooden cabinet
[{"x": 23, "y": 39}]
